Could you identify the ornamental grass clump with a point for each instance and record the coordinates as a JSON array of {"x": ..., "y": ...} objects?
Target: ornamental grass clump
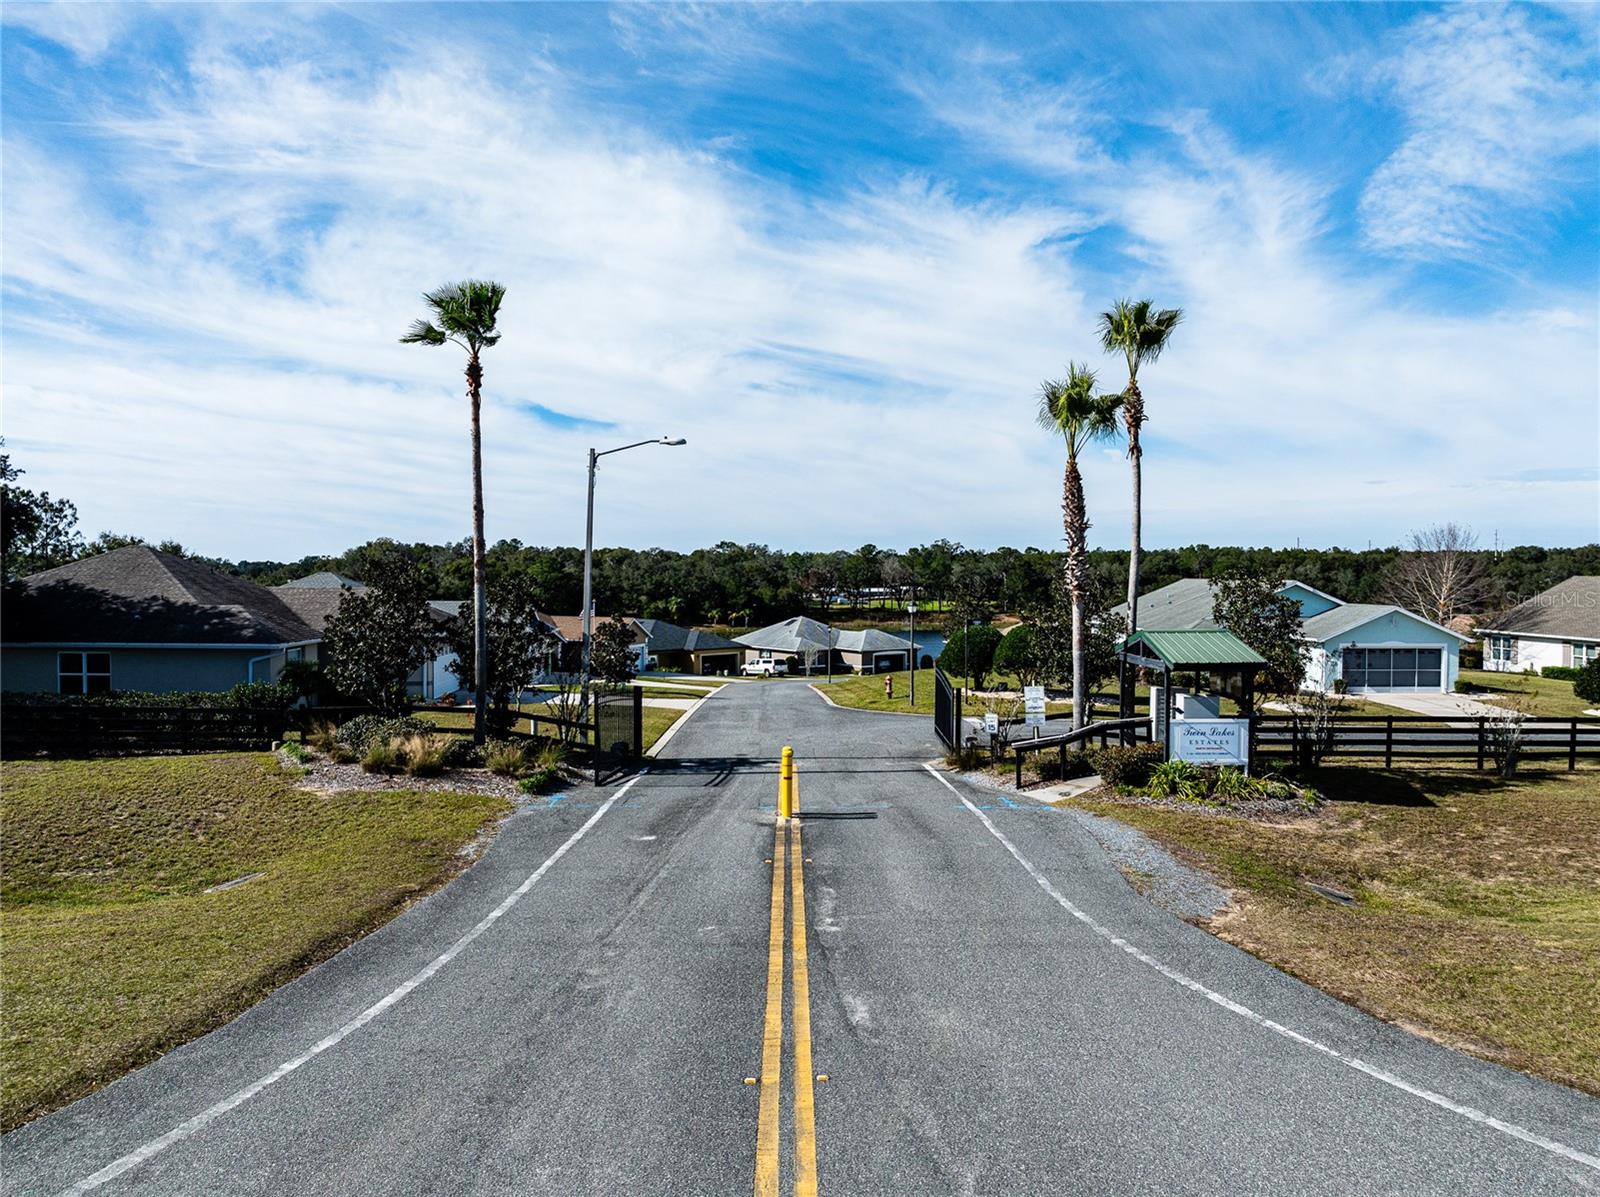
[
  {"x": 422, "y": 755},
  {"x": 380, "y": 757},
  {"x": 505, "y": 758}
]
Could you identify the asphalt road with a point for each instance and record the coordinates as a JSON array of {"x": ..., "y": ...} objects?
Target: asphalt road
[{"x": 996, "y": 1012}]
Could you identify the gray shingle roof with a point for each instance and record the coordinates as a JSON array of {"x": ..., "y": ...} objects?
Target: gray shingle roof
[
  {"x": 870, "y": 640},
  {"x": 1179, "y": 606},
  {"x": 1569, "y": 609},
  {"x": 135, "y": 595},
  {"x": 664, "y": 637},
  {"x": 322, "y": 580},
  {"x": 793, "y": 635}
]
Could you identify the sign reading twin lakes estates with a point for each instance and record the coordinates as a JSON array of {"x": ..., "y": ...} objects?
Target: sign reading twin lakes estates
[
  {"x": 1211, "y": 741},
  {"x": 1033, "y": 706}
]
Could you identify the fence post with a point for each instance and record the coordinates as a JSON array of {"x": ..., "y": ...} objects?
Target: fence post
[
  {"x": 1482, "y": 727},
  {"x": 1388, "y": 743},
  {"x": 1062, "y": 776},
  {"x": 1016, "y": 751},
  {"x": 1572, "y": 746},
  {"x": 638, "y": 722}
]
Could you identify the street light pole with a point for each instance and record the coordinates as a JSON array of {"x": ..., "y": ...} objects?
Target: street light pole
[
  {"x": 588, "y": 546},
  {"x": 911, "y": 609}
]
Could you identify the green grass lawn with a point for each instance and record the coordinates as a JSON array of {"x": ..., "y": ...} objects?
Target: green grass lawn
[
  {"x": 114, "y": 953},
  {"x": 1534, "y": 694},
  {"x": 1478, "y": 903}
]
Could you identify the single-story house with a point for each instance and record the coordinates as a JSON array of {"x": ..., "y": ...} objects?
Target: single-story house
[
  {"x": 1372, "y": 648},
  {"x": 802, "y": 642},
  {"x": 1559, "y": 626},
  {"x": 316, "y": 597},
  {"x": 137, "y": 619},
  {"x": 687, "y": 650}
]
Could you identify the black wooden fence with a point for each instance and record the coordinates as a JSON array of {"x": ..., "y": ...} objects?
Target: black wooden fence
[
  {"x": 64, "y": 729},
  {"x": 1426, "y": 737},
  {"x": 1136, "y": 730}
]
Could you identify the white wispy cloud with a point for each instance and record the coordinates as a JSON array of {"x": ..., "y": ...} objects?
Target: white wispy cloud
[{"x": 1495, "y": 110}]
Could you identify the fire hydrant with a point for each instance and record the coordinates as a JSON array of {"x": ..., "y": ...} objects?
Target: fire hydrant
[{"x": 888, "y": 686}]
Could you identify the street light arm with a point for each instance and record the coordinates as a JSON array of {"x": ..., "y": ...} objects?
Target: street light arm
[{"x": 655, "y": 440}]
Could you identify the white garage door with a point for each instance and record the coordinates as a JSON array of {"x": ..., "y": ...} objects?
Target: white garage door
[{"x": 1394, "y": 668}]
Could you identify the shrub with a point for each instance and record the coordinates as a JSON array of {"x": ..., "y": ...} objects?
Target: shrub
[
  {"x": 1587, "y": 684},
  {"x": 505, "y": 758},
  {"x": 968, "y": 760},
  {"x": 1561, "y": 673},
  {"x": 1177, "y": 779},
  {"x": 1465, "y": 687},
  {"x": 363, "y": 731},
  {"x": 423, "y": 754},
  {"x": 1048, "y": 766},
  {"x": 1340, "y": 686},
  {"x": 341, "y": 754},
  {"x": 380, "y": 757},
  {"x": 1120, "y": 765},
  {"x": 460, "y": 752},
  {"x": 540, "y": 781},
  {"x": 1231, "y": 785}
]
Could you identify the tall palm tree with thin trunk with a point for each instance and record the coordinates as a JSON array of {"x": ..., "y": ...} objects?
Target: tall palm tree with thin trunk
[
  {"x": 465, "y": 313},
  {"x": 1070, "y": 408},
  {"x": 1139, "y": 332}
]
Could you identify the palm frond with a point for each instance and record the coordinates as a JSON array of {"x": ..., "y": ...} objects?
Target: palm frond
[
  {"x": 423, "y": 333},
  {"x": 1135, "y": 330},
  {"x": 1071, "y": 408}
]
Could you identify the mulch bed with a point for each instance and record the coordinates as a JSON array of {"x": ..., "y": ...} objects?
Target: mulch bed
[{"x": 320, "y": 773}]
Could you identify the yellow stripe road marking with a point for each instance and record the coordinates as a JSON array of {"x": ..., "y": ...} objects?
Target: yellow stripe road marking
[
  {"x": 772, "y": 1034},
  {"x": 805, "y": 1123}
]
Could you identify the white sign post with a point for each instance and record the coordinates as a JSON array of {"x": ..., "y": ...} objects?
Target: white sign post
[
  {"x": 1211, "y": 741},
  {"x": 991, "y": 723},
  {"x": 1033, "y": 706}
]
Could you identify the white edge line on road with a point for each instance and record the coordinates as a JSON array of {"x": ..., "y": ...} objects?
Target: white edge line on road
[
  {"x": 1227, "y": 1003},
  {"x": 209, "y": 1115}
]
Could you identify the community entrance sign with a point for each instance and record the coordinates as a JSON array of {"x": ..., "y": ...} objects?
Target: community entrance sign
[
  {"x": 1211, "y": 741},
  {"x": 1033, "y": 706}
]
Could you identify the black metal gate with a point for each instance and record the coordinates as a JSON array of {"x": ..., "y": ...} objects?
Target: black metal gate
[
  {"x": 618, "y": 731},
  {"x": 946, "y": 710}
]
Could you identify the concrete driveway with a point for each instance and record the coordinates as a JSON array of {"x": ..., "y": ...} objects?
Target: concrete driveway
[{"x": 1439, "y": 704}]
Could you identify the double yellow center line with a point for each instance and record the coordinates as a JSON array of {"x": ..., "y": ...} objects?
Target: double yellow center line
[{"x": 786, "y": 844}]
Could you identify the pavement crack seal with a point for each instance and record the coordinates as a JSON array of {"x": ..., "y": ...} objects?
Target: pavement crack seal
[
  {"x": 1510, "y": 1129},
  {"x": 788, "y": 871},
  {"x": 234, "y": 1100}
]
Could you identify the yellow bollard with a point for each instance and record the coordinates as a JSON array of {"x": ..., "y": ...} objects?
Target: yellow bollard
[{"x": 786, "y": 784}]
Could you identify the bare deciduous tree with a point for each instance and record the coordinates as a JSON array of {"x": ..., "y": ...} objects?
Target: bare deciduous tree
[{"x": 1440, "y": 574}]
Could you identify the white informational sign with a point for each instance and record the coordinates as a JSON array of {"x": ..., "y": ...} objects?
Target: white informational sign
[
  {"x": 1211, "y": 741},
  {"x": 1033, "y": 706},
  {"x": 991, "y": 723}
]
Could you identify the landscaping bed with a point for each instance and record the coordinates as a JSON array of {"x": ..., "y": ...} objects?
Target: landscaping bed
[
  {"x": 1455, "y": 903},
  {"x": 118, "y": 943}
]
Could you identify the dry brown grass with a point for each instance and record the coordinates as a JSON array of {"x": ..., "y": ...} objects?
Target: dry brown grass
[{"x": 1477, "y": 918}]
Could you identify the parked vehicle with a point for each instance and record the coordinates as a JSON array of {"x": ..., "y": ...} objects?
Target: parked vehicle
[{"x": 764, "y": 668}]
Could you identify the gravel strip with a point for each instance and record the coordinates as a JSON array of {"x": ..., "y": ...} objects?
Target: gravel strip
[
  {"x": 1168, "y": 883},
  {"x": 326, "y": 776}
]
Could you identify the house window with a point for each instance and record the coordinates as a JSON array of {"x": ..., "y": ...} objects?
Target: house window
[
  {"x": 83, "y": 673},
  {"x": 1582, "y": 654},
  {"x": 1502, "y": 650}
]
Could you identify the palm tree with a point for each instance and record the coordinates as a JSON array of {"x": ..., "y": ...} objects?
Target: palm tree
[
  {"x": 465, "y": 313},
  {"x": 1071, "y": 408},
  {"x": 1140, "y": 334}
]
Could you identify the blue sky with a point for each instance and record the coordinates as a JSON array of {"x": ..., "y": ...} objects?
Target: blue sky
[{"x": 836, "y": 247}]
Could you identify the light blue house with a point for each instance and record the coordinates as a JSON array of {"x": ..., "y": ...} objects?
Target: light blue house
[{"x": 1372, "y": 648}]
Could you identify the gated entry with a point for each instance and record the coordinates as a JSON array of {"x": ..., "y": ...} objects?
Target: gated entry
[
  {"x": 946, "y": 710},
  {"x": 618, "y": 731}
]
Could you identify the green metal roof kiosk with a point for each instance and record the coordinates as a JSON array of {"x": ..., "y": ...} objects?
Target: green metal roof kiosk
[{"x": 1218, "y": 654}]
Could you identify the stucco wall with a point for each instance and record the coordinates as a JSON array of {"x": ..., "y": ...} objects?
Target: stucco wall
[
  {"x": 157, "y": 670},
  {"x": 1394, "y": 630},
  {"x": 1530, "y": 655}
]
